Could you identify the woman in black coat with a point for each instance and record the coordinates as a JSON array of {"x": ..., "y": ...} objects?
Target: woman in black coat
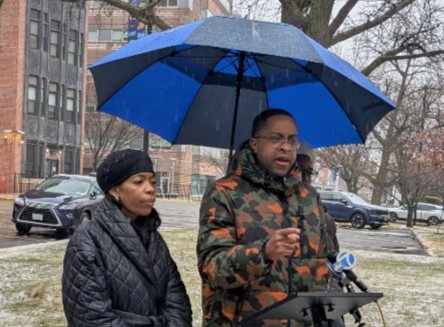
[{"x": 117, "y": 269}]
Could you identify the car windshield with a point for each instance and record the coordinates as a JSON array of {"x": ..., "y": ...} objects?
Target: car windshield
[
  {"x": 64, "y": 186},
  {"x": 356, "y": 199}
]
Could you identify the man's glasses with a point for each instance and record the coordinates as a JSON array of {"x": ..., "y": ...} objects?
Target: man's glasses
[{"x": 279, "y": 140}]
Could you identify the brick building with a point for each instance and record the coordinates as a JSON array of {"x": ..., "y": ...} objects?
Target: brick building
[
  {"x": 41, "y": 89},
  {"x": 44, "y": 46}
]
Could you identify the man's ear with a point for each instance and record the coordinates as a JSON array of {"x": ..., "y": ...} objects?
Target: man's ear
[{"x": 253, "y": 144}]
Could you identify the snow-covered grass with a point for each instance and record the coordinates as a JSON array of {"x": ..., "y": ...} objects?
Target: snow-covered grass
[{"x": 413, "y": 286}]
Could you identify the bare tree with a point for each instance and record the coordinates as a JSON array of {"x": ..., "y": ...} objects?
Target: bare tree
[
  {"x": 350, "y": 161},
  {"x": 421, "y": 161},
  {"x": 105, "y": 133},
  {"x": 144, "y": 11},
  {"x": 219, "y": 163},
  {"x": 397, "y": 42}
]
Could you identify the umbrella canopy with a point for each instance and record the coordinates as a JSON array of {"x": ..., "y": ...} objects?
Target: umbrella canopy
[{"x": 203, "y": 83}]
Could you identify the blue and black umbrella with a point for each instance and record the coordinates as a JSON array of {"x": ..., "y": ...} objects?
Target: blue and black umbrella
[{"x": 204, "y": 82}]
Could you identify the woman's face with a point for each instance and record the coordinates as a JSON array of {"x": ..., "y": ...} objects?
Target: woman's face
[{"x": 137, "y": 195}]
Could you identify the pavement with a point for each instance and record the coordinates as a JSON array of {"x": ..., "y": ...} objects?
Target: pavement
[
  {"x": 8, "y": 196},
  {"x": 176, "y": 214}
]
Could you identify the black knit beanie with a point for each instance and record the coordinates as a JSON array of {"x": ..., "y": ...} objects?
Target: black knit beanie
[{"x": 121, "y": 165}]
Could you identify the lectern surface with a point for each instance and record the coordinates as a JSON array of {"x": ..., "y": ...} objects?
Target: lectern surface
[{"x": 300, "y": 306}]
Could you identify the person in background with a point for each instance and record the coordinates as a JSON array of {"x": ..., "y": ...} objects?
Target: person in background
[
  {"x": 117, "y": 269},
  {"x": 261, "y": 234},
  {"x": 305, "y": 167}
]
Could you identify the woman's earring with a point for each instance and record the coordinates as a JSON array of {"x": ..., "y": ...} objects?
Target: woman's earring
[{"x": 116, "y": 197}]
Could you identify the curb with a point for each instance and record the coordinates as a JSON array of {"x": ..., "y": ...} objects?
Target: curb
[
  {"x": 424, "y": 246},
  {"x": 21, "y": 248}
]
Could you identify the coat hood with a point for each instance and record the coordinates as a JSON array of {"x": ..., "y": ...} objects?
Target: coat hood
[{"x": 244, "y": 164}]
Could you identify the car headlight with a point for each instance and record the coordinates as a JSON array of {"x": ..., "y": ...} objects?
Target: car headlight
[
  {"x": 19, "y": 202},
  {"x": 68, "y": 206}
]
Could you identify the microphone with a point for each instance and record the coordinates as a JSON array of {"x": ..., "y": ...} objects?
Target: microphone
[{"x": 341, "y": 264}]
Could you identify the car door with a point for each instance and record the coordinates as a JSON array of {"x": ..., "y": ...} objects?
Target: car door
[
  {"x": 332, "y": 201},
  {"x": 424, "y": 211},
  {"x": 343, "y": 207}
]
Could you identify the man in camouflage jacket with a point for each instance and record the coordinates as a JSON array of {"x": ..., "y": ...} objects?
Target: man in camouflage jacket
[{"x": 262, "y": 235}]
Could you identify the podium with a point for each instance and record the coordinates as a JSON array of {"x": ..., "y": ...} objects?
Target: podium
[{"x": 316, "y": 307}]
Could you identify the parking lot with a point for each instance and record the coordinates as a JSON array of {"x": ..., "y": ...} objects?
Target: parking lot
[{"x": 180, "y": 215}]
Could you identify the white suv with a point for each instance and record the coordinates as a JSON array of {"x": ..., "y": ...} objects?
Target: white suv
[{"x": 425, "y": 212}]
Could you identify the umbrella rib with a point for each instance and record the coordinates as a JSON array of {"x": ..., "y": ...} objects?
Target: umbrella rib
[{"x": 197, "y": 92}]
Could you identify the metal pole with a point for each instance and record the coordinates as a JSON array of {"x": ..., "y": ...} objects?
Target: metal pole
[{"x": 146, "y": 141}]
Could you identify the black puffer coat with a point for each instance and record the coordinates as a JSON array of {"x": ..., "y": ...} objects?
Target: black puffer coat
[{"x": 110, "y": 279}]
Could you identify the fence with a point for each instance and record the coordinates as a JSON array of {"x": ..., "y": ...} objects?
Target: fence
[
  {"x": 179, "y": 192},
  {"x": 20, "y": 183},
  {"x": 16, "y": 183}
]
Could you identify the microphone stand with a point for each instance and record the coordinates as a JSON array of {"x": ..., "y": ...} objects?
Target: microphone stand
[{"x": 345, "y": 282}]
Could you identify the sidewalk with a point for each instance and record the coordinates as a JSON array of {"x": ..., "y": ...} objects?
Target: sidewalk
[{"x": 8, "y": 196}]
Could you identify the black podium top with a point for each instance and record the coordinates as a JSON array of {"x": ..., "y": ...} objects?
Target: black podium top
[{"x": 302, "y": 306}]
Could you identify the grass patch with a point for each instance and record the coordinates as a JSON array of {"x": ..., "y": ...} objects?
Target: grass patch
[{"x": 30, "y": 286}]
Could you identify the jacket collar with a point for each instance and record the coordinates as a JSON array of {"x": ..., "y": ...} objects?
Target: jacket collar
[
  {"x": 245, "y": 165},
  {"x": 119, "y": 228}
]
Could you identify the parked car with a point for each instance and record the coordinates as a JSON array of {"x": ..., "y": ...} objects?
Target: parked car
[
  {"x": 349, "y": 207},
  {"x": 60, "y": 202},
  {"x": 425, "y": 212}
]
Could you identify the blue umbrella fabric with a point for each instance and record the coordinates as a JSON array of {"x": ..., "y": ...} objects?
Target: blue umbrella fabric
[{"x": 203, "y": 83}]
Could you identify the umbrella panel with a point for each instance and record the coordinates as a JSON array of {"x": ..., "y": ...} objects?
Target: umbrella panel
[{"x": 187, "y": 99}]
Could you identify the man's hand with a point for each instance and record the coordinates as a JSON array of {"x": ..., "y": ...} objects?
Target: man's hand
[{"x": 282, "y": 243}]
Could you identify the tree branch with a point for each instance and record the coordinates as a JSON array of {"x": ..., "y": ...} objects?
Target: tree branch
[
  {"x": 295, "y": 16},
  {"x": 341, "y": 16},
  {"x": 371, "y": 23},
  {"x": 392, "y": 55}
]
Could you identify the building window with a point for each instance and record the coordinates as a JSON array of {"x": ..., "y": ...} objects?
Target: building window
[
  {"x": 81, "y": 49},
  {"x": 79, "y": 105},
  {"x": 34, "y": 25},
  {"x": 93, "y": 36},
  {"x": 70, "y": 106},
  {"x": 158, "y": 143},
  {"x": 68, "y": 167},
  {"x": 32, "y": 96},
  {"x": 42, "y": 96},
  {"x": 52, "y": 101},
  {"x": 45, "y": 32},
  {"x": 72, "y": 48},
  {"x": 94, "y": 4},
  {"x": 117, "y": 35},
  {"x": 64, "y": 41},
  {"x": 168, "y": 3},
  {"x": 31, "y": 149},
  {"x": 105, "y": 35},
  {"x": 62, "y": 99},
  {"x": 54, "y": 41}
]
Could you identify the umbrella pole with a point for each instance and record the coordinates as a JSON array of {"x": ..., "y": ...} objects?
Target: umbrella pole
[{"x": 239, "y": 77}]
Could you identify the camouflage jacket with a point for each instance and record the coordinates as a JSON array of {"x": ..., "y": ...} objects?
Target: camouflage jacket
[{"x": 238, "y": 213}]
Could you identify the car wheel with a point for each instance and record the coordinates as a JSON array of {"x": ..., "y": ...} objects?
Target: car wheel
[
  {"x": 393, "y": 217},
  {"x": 22, "y": 229},
  {"x": 375, "y": 226},
  {"x": 357, "y": 220},
  {"x": 433, "y": 221}
]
